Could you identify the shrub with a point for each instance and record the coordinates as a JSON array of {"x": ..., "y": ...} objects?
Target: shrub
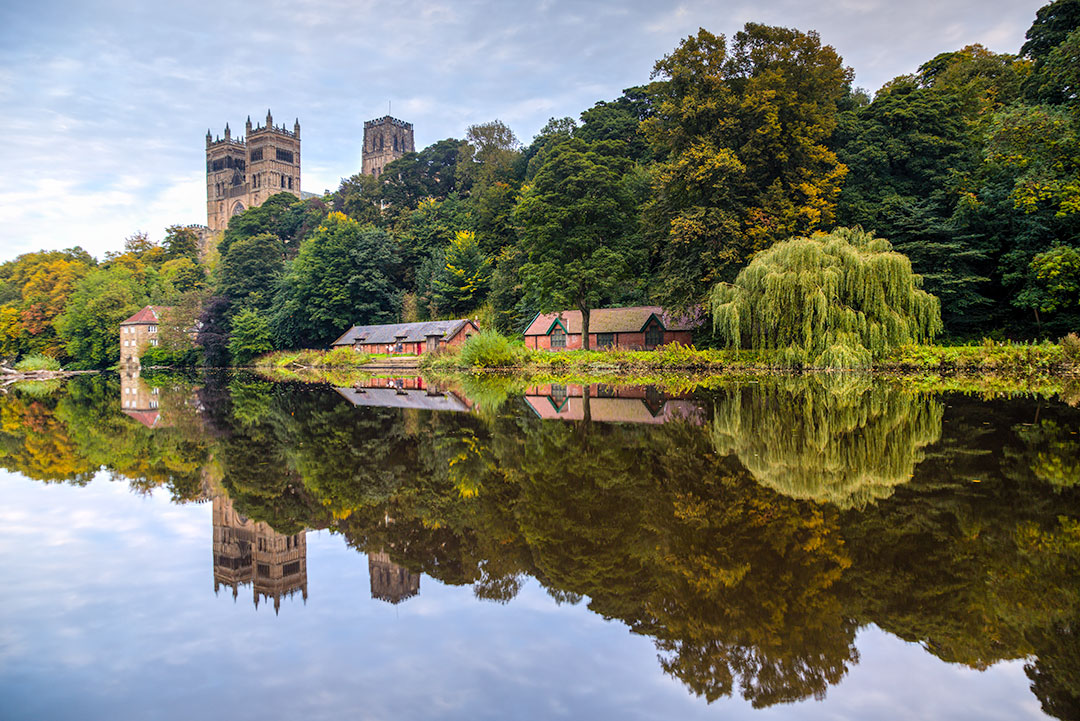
[
  {"x": 37, "y": 362},
  {"x": 159, "y": 356},
  {"x": 1070, "y": 346},
  {"x": 490, "y": 349}
]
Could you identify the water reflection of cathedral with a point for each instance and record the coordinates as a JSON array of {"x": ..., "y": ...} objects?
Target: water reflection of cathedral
[
  {"x": 250, "y": 552},
  {"x": 390, "y": 582}
]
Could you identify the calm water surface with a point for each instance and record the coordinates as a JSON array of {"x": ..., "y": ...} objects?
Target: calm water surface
[{"x": 825, "y": 548}]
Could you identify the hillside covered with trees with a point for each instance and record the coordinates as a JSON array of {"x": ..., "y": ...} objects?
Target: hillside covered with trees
[{"x": 970, "y": 167}]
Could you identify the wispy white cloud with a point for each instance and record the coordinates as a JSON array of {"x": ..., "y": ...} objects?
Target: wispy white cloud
[{"x": 96, "y": 94}]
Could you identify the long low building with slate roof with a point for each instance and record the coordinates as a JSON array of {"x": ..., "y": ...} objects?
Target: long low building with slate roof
[
  {"x": 408, "y": 338},
  {"x": 642, "y": 327}
]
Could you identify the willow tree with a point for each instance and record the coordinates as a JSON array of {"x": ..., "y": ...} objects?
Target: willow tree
[{"x": 830, "y": 300}]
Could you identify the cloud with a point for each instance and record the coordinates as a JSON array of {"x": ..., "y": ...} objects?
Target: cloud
[{"x": 98, "y": 94}]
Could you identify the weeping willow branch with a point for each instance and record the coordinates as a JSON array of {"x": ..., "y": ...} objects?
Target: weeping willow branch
[{"x": 831, "y": 300}]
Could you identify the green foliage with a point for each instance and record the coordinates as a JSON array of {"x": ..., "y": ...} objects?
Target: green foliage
[
  {"x": 1058, "y": 273},
  {"x": 180, "y": 242},
  {"x": 840, "y": 439},
  {"x": 100, "y": 302},
  {"x": 184, "y": 274},
  {"x": 37, "y": 362},
  {"x": 838, "y": 298},
  {"x": 159, "y": 356},
  {"x": 742, "y": 135},
  {"x": 578, "y": 229},
  {"x": 341, "y": 276},
  {"x": 464, "y": 278},
  {"x": 1070, "y": 346},
  {"x": 250, "y": 336},
  {"x": 490, "y": 349},
  {"x": 250, "y": 270}
]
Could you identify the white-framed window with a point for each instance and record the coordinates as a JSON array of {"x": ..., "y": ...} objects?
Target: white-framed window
[{"x": 153, "y": 341}]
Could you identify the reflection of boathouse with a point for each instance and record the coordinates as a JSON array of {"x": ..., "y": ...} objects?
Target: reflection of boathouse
[
  {"x": 390, "y": 582},
  {"x": 404, "y": 393},
  {"x": 250, "y": 552},
  {"x": 612, "y": 404}
]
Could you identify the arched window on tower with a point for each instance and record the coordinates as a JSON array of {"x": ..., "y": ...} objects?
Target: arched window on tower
[
  {"x": 380, "y": 142},
  {"x": 395, "y": 144},
  {"x": 238, "y": 208}
]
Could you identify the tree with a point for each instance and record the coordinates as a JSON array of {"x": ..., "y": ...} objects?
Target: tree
[
  {"x": 265, "y": 218},
  {"x": 212, "y": 335},
  {"x": 250, "y": 336},
  {"x": 578, "y": 226},
  {"x": 463, "y": 282},
  {"x": 341, "y": 276},
  {"x": 90, "y": 323},
  {"x": 833, "y": 299},
  {"x": 1058, "y": 274},
  {"x": 181, "y": 242},
  {"x": 742, "y": 136},
  {"x": 250, "y": 270},
  {"x": 183, "y": 274},
  {"x": 488, "y": 156}
]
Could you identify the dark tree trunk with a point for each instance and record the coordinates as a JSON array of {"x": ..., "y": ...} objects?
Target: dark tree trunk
[{"x": 585, "y": 328}]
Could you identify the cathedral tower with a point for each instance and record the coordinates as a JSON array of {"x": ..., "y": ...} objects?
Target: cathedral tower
[
  {"x": 385, "y": 139},
  {"x": 242, "y": 173}
]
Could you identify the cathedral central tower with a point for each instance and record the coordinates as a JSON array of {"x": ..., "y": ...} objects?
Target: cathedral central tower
[
  {"x": 242, "y": 173},
  {"x": 385, "y": 139}
]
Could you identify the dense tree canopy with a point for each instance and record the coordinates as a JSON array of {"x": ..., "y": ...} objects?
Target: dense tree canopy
[{"x": 578, "y": 229}]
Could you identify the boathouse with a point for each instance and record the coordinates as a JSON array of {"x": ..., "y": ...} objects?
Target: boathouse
[
  {"x": 408, "y": 338},
  {"x": 642, "y": 327}
]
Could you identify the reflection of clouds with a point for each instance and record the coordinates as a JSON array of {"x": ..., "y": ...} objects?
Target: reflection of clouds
[{"x": 109, "y": 612}]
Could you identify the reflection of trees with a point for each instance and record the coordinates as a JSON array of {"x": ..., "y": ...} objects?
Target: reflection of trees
[
  {"x": 1050, "y": 452},
  {"x": 1055, "y": 674},
  {"x": 844, "y": 439},
  {"x": 731, "y": 579},
  {"x": 748, "y": 587}
]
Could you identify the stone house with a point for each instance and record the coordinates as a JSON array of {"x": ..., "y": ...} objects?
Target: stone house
[
  {"x": 408, "y": 338},
  {"x": 642, "y": 327},
  {"x": 139, "y": 332}
]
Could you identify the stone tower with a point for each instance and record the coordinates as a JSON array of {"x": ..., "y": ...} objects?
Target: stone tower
[
  {"x": 241, "y": 173},
  {"x": 385, "y": 139},
  {"x": 390, "y": 582}
]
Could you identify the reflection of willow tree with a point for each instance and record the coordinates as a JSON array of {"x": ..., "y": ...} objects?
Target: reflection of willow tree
[
  {"x": 838, "y": 438},
  {"x": 731, "y": 579}
]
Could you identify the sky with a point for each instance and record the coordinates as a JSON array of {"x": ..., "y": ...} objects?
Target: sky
[{"x": 105, "y": 104}]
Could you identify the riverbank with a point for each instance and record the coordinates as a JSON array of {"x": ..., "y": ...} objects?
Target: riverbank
[{"x": 1017, "y": 360}]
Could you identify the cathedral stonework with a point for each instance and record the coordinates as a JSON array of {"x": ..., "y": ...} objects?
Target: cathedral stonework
[
  {"x": 242, "y": 173},
  {"x": 385, "y": 139}
]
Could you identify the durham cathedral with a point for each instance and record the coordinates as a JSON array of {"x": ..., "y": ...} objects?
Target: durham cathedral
[{"x": 243, "y": 172}]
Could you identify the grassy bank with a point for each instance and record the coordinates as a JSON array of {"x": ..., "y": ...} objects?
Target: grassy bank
[
  {"x": 1020, "y": 360},
  {"x": 312, "y": 365}
]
